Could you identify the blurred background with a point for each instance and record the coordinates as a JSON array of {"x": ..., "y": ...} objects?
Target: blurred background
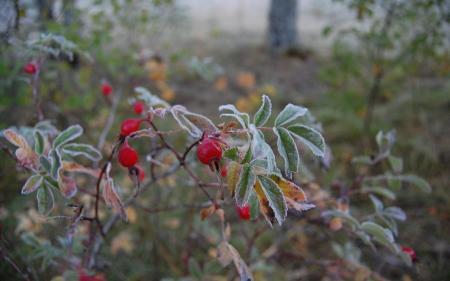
[{"x": 360, "y": 66}]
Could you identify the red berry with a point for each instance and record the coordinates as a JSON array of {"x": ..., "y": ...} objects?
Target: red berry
[
  {"x": 129, "y": 126},
  {"x": 106, "y": 89},
  {"x": 244, "y": 212},
  {"x": 410, "y": 252},
  {"x": 128, "y": 157},
  {"x": 224, "y": 171},
  {"x": 30, "y": 68},
  {"x": 138, "y": 107},
  {"x": 209, "y": 150}
]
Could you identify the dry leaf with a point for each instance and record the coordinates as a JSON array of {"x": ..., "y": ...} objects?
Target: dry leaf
[
  {"x": 206, "y": 212},
  {"x": 24, "y": 154},
  {"x": 111, "y": 197},
  {"x": 72, "y": 167}
]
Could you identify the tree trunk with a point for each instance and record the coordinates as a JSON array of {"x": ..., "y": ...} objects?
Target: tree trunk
[{"x": 282, "y": 31}]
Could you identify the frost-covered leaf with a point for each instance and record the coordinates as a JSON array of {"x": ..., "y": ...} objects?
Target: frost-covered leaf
[
  {"x": 289, "y": 114},
  {"x": 86, "y": 150},
  {"x": 261, "y": 150},
  {"x": 227, "y": 253},
  {"x": 395, "y": 213},
  {"x": 377, "y": 204},
  {"x": 67, "y": 135},
  {"x": 110, "y": 195},
  {"x": 263, "y": 113},
  {"x": 32, "y": 183},
  {"x": 275, "y": 198},
  {"x": 150, "y": 99},
  {"x": 310, "y": 137},
  {"x": 287, "y": 149},
  {"x": 39, "y": 142},
  {"x": 56, "y": 163},
  {"x": 244, "y": 185},
  {"x": 195, "y": 124},
  {"x": 73, "y": 167},
  {"x": 45, "y": 200},
  {"x": 254, "y": 205},
  {"x": 380, "y": 234},
  {"x": 45, "y": 163},
  {"x": 242, "y": 117}
]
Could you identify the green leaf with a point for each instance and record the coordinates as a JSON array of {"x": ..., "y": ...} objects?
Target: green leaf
[
  {"x": 45, "y": 163},
  {"x": 254, "y": 205},
  {"x": 382, "y": 235},
  {"x": 379, "y": 191},
  {"x": 56, "y": 163},
  {"x": 232, "y": 154},
  {"x": 275, "y": 197},
  {"x": 310, "y": 137},
  {"x": 377, "y": 204},
  {"x": 45, "y": 200},
  {"x": 263, "y": 113},
  {"x": 68, "y": 135},
  {"x": 417, "y": 181},
  {"x": 195, "y": 124},
  {"x": 289, "y": 113},
  {"x": 194, "y": 268},
  {"x": 245, "y": 185},
  {"x": 86, "y": 150},
  {"x": 287, "y": 149},
  {"x": 32, "y": 184},
  {"x": 149, "y": 98},
  {"x": 248, "y": 155},
  {"x": 39, "y": 142}
]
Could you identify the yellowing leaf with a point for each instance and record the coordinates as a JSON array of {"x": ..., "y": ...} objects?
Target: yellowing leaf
[
  {"x": 232, "y": 176},
  {"x": 221, "y": 84},
  {"x": 206, "y": 212}
]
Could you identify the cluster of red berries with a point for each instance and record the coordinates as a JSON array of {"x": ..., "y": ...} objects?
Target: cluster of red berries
[
  {"x": 30, "y": 68},
  {"x": 209, "y": 152},
  {"x": 127, "y": 155}
]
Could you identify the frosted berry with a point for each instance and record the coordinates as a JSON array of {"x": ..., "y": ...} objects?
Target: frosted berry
[
  {"x": 30, "y": 68},
  {"x": 244, "y": 212},
  {"x": 410, "y": 252},
  {"x": 138, "y": 107},
  {"x": 129, "y": 126},
  {"x": 209, "y": 150},
  {"x": 106, "y": 89},
  {"x": 127, "y": 156}
]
